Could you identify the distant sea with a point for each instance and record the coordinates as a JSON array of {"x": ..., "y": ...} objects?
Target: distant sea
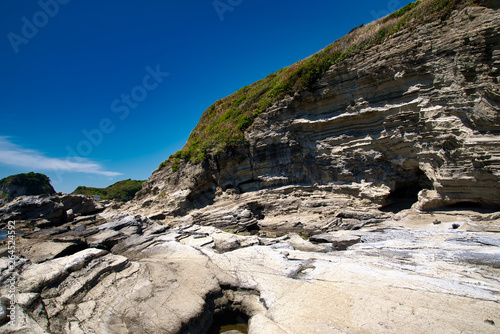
[{"x": 3, "y": 234}]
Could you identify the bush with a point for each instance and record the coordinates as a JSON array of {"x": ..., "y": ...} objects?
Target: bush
[
  {"x": 163, "y": 164},
  {"x": 176, "y": 165}
]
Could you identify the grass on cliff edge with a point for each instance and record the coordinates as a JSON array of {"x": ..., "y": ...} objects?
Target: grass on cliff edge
[
  {"x": 122, "y": 191},
  {"x": 224, "y": 123}
]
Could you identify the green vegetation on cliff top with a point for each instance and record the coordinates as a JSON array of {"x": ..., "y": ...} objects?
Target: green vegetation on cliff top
[
  {"x": 33, "y": 184},
  {"x": 223, "y": 124},
  {"x": 120, "y": 191}
]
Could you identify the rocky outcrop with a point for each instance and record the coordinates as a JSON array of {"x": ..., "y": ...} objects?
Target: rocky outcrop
[
  {"x": 133, "y": 275},
  {"x": 25, "y": 185},
  {"x": 47, "y": 211},
  {"x": 419, "y": 112}
]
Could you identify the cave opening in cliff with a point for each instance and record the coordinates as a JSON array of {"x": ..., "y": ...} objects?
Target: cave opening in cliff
[
  {"x": 405, "y": 192},
  {"x": 231, "y": 320}
]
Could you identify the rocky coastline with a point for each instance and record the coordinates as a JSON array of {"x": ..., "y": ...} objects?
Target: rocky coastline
[{"x": 369, "y": 204}]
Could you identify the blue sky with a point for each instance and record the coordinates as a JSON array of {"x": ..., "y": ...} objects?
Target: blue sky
[{"x": 93, "y": 92}]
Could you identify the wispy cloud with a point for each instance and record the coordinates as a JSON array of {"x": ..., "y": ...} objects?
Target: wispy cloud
[{"x": 14, "y": 155}]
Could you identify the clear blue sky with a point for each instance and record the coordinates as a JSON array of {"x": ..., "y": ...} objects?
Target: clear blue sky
[{"x": 93, "y": 92}]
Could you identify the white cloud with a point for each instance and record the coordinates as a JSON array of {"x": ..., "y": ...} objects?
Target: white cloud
[{"x": 14, "y": 155}]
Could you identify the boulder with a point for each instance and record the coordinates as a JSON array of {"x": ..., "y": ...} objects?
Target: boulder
[
  {"x": 28, "y": 208},
  {"x": 47, "y": 211},
  {"x": 339, "y": 240}
]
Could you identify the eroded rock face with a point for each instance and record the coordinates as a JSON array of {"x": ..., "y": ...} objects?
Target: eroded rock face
[
  {"x": 414, "y": 122},
  {"x": 419, "y": 112},
  {"x": 47, "y": 211},
  {"x": 407, "y": 275}
]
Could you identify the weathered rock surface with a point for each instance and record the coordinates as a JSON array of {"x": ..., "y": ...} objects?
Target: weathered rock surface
[
  {"x": 406, "y": 275},
  {"x": 47, "y": 211},
  {"x": 338, "y": 241},
  {"x": 293, "y": 231}
]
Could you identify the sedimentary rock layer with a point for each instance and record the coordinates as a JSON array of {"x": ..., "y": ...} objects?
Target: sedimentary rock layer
[{"x": 420, "y": 111}]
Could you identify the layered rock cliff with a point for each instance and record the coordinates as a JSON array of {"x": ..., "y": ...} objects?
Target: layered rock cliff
[
  {"x": 329, "y": 192},
  {"x": 416, "y": 115}
]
